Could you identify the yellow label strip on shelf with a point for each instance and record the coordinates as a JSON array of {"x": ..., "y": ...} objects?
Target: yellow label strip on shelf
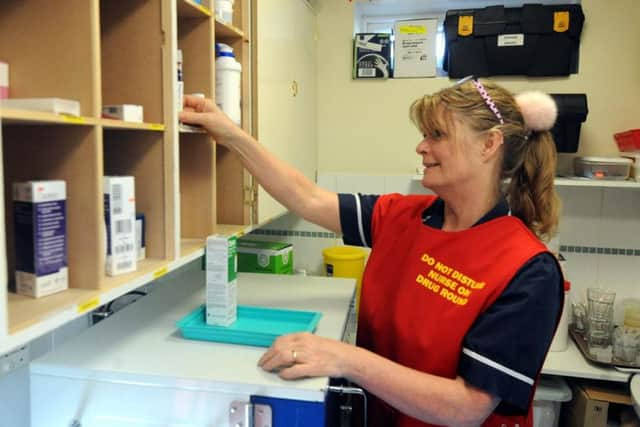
[
  {"x": 156, "y": 126},
  {"x": 73, "y": 119},
  {"x": 160, "y": 272},
  {"x": 89, "y": 305},
  {"x": 203, "y": 9}
]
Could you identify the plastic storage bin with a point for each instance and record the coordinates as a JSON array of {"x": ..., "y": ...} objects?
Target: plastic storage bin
[
  {"x": 550, "y": 394},
  {"x": 345, "y": 261},
  {"x": 604, "y": 168},
  {"x": 629, "y": 140}
]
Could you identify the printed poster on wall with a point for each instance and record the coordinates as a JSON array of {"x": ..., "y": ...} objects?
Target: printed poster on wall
[{"x": 415, "y": 48}]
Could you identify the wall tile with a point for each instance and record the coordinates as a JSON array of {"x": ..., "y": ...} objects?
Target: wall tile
[
  {"x": 620, "y": 223},
  {"x": 366, "y": 184},
  {"x": 581, "y": 213},
  {"x": 328, "y": 181}
]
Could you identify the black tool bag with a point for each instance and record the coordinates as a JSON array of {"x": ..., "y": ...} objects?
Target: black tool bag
[
  {"x": 532, "y": 40},
  {"x": 572, "y": 111}
]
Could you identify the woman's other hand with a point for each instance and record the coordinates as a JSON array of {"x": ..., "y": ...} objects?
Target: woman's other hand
[{"x": 306, "y": 355}]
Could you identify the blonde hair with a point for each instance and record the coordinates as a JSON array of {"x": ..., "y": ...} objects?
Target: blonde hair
[{"x": 528, "y": 158}]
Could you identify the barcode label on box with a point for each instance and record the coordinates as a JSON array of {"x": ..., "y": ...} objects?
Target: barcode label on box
[
  {"x": 123, "y": 226},
  {"x": 367, "y": 72},
  {"x": 116, "y": 199}
]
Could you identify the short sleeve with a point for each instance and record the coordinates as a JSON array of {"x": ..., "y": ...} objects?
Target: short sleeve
[
  {"x": 504, "y": 350},
  {"x": 356, "y": 211}
]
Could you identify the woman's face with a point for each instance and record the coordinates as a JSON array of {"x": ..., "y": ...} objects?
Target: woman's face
[{"x": 450, "y": 160}]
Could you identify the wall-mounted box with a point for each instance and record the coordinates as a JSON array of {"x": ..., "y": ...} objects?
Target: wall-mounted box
[
  {"x": 415, "y": 48},
  {"x": 372, "y": 56}
]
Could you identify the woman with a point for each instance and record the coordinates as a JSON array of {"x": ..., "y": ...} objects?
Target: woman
[{"x": 460, "y": 299}]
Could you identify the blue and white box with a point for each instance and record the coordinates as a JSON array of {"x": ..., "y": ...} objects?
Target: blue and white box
[
  {"x": 120, "y": 219},
  {"x": 39, "y": 212}
]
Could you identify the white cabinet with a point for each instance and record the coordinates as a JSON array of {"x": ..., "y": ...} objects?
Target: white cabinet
[{"x": 135, "y": 368}]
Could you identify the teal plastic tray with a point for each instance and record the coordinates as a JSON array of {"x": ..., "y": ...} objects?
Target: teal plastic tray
[{"x": 257, "y": 326}]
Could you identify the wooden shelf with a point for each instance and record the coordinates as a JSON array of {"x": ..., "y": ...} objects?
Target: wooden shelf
[
  {"x": 191, "y": 9},
  {"x": 226, "y": 31},
  {"x": 119, "y": 124},
  {"x": 11, "y": 116},
  {"x": 191, "y": 246}
]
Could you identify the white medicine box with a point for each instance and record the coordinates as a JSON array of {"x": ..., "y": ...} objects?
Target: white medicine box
[
  {"x": 415, "y": 48},
  {"x": 120, "y": 218}
]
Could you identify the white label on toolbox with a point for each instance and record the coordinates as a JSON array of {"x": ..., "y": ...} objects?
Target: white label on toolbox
[{"x": 510, "y": 40}]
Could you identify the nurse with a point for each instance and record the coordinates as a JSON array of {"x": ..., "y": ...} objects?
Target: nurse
[{"x": 460, "y": 298}]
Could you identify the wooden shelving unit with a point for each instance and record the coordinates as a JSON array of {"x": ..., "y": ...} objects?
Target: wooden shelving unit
[{"x": 100, "y": 53}]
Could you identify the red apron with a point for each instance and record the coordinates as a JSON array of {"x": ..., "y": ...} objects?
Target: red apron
[{"x": 423, "y": 288}]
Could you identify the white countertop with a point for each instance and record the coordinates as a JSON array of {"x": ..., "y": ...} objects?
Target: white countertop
[
  {"x": 571, "y": 363},
  {"x": 142, "y": 344}
]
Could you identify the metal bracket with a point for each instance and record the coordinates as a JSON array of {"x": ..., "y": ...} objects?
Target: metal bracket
[{"x": 246, "y": 414}]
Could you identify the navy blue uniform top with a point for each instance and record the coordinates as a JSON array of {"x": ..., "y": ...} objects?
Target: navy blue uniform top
[{"x": 505, "y": 348}]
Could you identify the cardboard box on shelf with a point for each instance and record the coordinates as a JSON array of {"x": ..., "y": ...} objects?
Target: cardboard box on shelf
[
  {"x": 591, "y": 403},
  {"x": 40, "y": 218},
  {"x": 120, "y": 218},
  {"x": 48, "y": 105},
  {"x": 124, "y": 112},
  {"x": 256, "y": 256}
]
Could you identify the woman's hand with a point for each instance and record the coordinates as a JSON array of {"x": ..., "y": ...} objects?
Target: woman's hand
[
  {"x": 205, "y": 113},
  {"x": 307, "y": 355}
]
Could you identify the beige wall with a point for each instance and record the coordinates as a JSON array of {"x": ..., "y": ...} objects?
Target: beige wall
[{"x": 363, "y": 125}]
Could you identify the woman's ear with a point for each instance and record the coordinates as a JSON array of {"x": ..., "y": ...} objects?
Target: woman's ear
[{"x": 492, "y": 143}]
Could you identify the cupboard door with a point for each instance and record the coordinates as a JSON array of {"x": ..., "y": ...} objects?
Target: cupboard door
[{"x": 286, "y": 85}]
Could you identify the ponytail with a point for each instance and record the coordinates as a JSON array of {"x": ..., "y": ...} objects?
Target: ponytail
[{"x": 531, "y": 191}]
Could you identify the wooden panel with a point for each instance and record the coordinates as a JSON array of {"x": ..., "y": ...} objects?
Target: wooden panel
[
  {"x": 131, "y": 52},
  {"x": 73, "y": 154},
  {"x": 52, "y": 50},
  {"x": 140, "y": 154},
  {"x": 230, "y": 187},
  {"x": 195, "y": 39},
  {"x": 197, "y": 188}
]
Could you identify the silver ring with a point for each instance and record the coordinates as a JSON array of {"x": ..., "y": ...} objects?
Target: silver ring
[{"x": 294, "y": 355}]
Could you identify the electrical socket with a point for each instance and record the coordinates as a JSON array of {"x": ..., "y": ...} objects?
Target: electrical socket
[{"x": 13, "y": 360}]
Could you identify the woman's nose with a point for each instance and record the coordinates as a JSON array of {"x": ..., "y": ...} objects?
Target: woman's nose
[{"x": 422, "y": 146}]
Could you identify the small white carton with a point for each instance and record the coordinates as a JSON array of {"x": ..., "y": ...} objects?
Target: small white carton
[
  {"x": 124, "y": 112},
  {"x": 39, "y": 212},
  {"x": 120, "y": 218},
  {"x": 4, "y": 80},
  {"x": 221, "y": 280},
  {"x": 49, "y": 105},
  {"x": 415, "y": 48}
]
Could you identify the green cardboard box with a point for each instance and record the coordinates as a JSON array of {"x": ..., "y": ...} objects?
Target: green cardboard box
[{"x": 256, "y": 256}]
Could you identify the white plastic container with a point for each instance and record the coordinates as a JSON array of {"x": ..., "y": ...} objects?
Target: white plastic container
[
  {"x": 561, "y": 338},
  {"x": 224, "y": 11},
  {"x": 547, "y": 402},
  {"x": 228, "y": 73}
]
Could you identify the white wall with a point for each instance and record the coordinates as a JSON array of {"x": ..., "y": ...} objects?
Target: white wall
[{"x": 363, "y": 125}]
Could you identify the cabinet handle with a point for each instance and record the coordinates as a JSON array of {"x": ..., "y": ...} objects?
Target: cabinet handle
[{"x": 294, "y": 88}]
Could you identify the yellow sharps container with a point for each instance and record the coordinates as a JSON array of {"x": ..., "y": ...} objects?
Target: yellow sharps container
[{"x": 345, "y": 261}]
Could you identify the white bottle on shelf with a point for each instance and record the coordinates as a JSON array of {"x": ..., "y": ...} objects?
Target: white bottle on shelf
[
  {"x": 228, "y": 72},
  {"x": 224, "y": 11}
]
